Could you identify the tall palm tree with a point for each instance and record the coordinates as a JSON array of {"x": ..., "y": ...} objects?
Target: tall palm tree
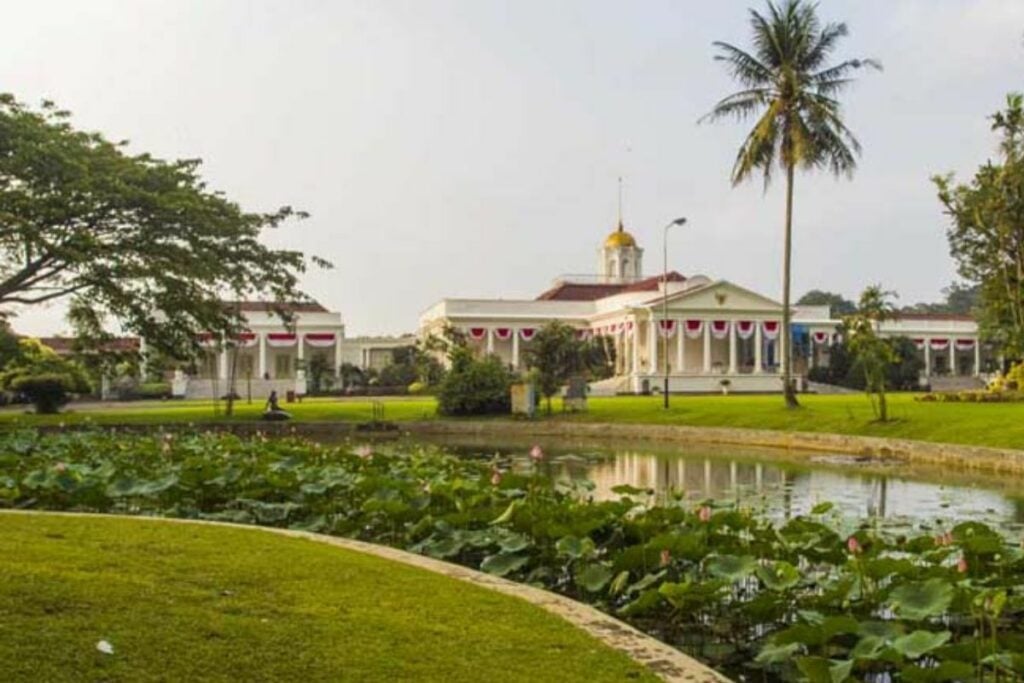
[{"x": 790, "y": 87}]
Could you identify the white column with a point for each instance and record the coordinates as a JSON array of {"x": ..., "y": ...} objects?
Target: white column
[
  {"x": 263, "y": 354},
  {"x": 952, "y": 357},
  {"x": 783, "y": 342},
  {"x": 758, "y": 348},
  {"x": 224, "y": 361},
  {"x": 707, "y": 347},
  {"x": 927, "y": 357},
  {"x": 810, "y": 347},
  {"x": 652, "y": 344},
  {"x": 635, "y": 348},
  {"x": 337, "y": 355},
  {"x": 301, "y": 346},
  {"x": 490, "y": 341},
  {"x": 977, "y": 357},
  {"x": 515, "y": 349},
  {"x": 680, "y": 348},
  {"x": 732, "y": 347}
]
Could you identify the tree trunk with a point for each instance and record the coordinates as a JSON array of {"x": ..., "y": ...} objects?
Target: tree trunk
[
  {"x": 883, "y": 407},
  {"x": 787, "y": 358}
]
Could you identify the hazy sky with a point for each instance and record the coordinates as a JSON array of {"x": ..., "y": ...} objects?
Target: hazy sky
[{"x": 471, "y": 148}]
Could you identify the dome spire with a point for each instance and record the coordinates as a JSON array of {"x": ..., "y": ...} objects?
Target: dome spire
[{"x": 621, "y": 227}]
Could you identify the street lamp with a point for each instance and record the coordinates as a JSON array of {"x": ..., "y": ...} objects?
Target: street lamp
[{"x": 664, "y": 305}]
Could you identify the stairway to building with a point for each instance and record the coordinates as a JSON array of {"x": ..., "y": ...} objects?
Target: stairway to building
[
  {"x": 822, "y": 388},
  {"x": 609, "y": 387},
  {"x": 956, "y": 383}
]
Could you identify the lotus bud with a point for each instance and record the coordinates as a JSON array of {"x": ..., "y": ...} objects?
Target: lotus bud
[
  {"x": 961, "y": 565},
  {"x": 704, "y": 514},
  {"x": 666, "y": 558},
  {"x": 60, "y": 468},
  {"x": 495, "y": 478},
  {"x": 536, "y": 453},
  {"x": 853, "y": 545}
]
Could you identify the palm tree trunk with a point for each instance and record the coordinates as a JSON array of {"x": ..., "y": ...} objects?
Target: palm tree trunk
[{"x": 787, "y": 356}]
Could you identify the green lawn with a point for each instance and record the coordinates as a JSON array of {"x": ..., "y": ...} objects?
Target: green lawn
[
  {"x": 181, "y": 603},
  {"x": 987, "y": 424}
]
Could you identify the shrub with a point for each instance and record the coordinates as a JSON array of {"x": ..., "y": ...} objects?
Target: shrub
[
  {"x": 47, "y": 392},
  {"x": 151, "y": 390},
  {"x": 418, "y": 389},
  {"x": 474, "y": 386}
]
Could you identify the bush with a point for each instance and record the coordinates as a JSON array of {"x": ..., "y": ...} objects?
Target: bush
[
  {"x": 418, "y": 389},
  {"x": 47, "y": 392},
  {"x": 475, "y": 387},
  {"x": 154, "y": 390}
]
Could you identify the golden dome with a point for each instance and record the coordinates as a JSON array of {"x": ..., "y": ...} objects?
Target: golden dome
[{"x": 619, "y": 238}]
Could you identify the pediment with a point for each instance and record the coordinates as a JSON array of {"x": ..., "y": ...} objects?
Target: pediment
[{"x": 721, "y": 295}]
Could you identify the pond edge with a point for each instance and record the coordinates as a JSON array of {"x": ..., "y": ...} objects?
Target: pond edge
[{"x": 662, "y": 659}]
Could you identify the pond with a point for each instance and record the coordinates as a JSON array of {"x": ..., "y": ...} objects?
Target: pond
[{"x": 779, "y": 483}]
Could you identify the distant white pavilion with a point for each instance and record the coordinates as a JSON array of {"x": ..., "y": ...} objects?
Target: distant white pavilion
[{"x": 714, "y": 330}]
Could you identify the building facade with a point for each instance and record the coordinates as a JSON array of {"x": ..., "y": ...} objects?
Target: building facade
[{"x": 704, "y": 334}]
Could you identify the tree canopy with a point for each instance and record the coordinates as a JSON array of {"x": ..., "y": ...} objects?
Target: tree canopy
[
  {"x": 986, "y": 231},
  {"x": 838, "y": 304},
  {"x": 127, "y": 236}
]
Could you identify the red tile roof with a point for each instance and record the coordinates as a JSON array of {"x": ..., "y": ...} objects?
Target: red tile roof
[{"x": 580, "y": 291}]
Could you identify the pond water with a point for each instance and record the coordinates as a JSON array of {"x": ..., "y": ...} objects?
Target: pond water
[{"x": 778, "y": 482}]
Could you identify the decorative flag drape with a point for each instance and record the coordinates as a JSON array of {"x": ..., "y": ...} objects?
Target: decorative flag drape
[
  {"x": 667, "y": 328},
  {"x": 719, "y": 329},
  {"x": 939, "y": 344},
  {"x": 320, "y": 339},
  {"x": 477, "y": 333},
  {"x": 964, "y": 344},
  {"x": 919, "y": 343},
  {"x": 245, "y": 340},
  {"x": 821, "y": 337},
  {"x": 503, "y": 333},
  {"x": 771, "y": 329},
  {"x": 281, "y": 339},
  {"x": 629, "y": 328},
  {"x": 527, "y": 333},
  {"x": 745, "y": 329},
  {"x": 694, "y": 328},
  {"x": 583, "y": 335}
]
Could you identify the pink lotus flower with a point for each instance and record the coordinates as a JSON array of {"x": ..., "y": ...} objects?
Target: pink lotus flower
[
  {"x": 495, "y": 478},
  {"x": 60, "y": 468},
  {"x": 363, "y": 451},
  {"x": 536, "y": 453},
  {"x": 666, "y": 558},
  {"x": 853, "y": 545},
  {"x": 961, "y": 565},
  {"x": 704, "y": 514}
]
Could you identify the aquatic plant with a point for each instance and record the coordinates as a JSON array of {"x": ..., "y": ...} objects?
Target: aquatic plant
[{"x": 816, "y": 597}]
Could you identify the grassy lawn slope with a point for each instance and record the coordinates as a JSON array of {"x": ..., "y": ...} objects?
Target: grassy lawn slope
[{"x": 181, "y": 602}]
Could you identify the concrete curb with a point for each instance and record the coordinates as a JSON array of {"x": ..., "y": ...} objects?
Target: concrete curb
[{"x": 664, "y": 660}]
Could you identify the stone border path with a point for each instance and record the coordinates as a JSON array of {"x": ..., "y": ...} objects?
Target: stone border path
[{"x": 664, "y": 660}]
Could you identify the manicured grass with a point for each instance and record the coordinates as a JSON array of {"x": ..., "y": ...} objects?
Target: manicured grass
[
  {"x": 182, "y": 602},
  {"x": 984, "y": 424}
]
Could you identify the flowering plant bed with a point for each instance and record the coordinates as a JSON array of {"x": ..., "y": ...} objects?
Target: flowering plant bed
[{"x": 815, "y": 597}]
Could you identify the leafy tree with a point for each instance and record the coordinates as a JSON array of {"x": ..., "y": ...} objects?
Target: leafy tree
[
  {"x": 986, "y": 232},
  {"x": 319, "y": 373},
  {"x": 873, "y": 354},
  {"x": 838, "y": 305},
  {"x": 790, "y": 86},
  {"x": 960, "y": 299},
  {"x": 474, "y": 386},
  {"x": 127, "y": 236},
  {"x": 555, "y": 355},
  {"x": 413, "y": 363},
  {"x": 44, "y": 377}
]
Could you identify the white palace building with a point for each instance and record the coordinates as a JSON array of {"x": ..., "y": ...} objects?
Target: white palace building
[{"x": 708, "y": 330}]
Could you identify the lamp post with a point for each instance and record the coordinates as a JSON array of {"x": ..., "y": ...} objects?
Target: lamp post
[{"x": 664, "y": 305}]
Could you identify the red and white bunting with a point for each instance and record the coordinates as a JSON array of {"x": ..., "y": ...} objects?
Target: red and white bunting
[
  {"x": 207, "y": 339},
  {"x": 820, "y": 337},
  {"x": 281, "y": 339},
  {"x": 477, "y": 333},
  {"x": 693, "y": 328},
  {"x": 527, "y": 333},
  {"x": 939, "y": 344},
  {"x": 919, "y": 343},
  {"x": 745, "y": 329},
  {"x": 320, "y": 339},
  {"x": 629, "y": 328},
  {"x": 964, "y": 344},
  {"x": 667, "y": 328},
  {"x": 719, "y": 329},
  {"x": 583, "y": 335},
  {"x": 246, "y": 340},
  {"x": 503, "y": 333},
  {"x": 771, "y": 328}
]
